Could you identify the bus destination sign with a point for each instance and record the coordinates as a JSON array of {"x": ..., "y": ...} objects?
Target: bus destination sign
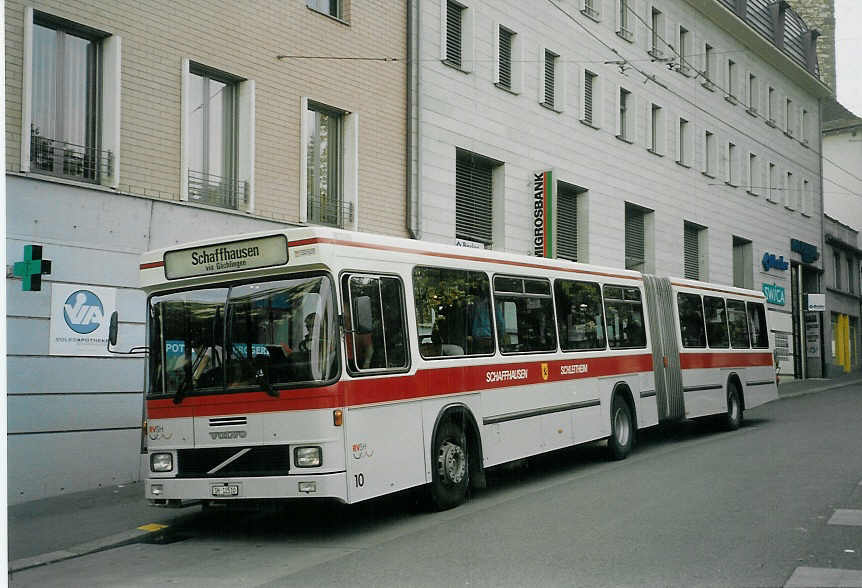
[{"x": 226, "y": 257}]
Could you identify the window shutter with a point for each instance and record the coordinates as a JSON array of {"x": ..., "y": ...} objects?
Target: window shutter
[
  {"x": 691, "y": 253},
  {"x": 505, "y": 60},
  {"x": 635, "y": 250},
  {"x": 550, "y": 63},
  {"x": 588, "y": 97},
  {"x": 453, "y": 33},
  {"x": 473, "y": 199},
  {"x": 567, "y": 224}
]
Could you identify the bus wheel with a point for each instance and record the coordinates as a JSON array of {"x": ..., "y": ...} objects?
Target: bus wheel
[
  {"x": 450, "y": 474},
  {"x": 622, "y": 429},
  {"x": 733, "y": 418}
]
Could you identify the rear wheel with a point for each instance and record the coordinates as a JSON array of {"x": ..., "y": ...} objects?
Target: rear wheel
[
  {"x": 733, "y": 418},
  {"x": 622, "y": 429},
  {"x": 450, "y": 474}
]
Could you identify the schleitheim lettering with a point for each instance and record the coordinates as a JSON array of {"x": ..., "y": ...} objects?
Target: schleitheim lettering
[{"x": 223, "y": 254}]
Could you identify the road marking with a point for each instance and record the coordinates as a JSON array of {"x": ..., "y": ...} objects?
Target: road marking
[
  {"x": 804, "y": 576},
  {"x": 152, "y": 527},
  {"x": 847, "y": 516}
]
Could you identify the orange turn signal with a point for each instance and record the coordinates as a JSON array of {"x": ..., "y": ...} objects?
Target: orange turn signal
[{"x": 337, "y": 417}]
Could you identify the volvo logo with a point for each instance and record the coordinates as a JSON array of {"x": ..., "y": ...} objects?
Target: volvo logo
[{"x": 228, "y": 435}]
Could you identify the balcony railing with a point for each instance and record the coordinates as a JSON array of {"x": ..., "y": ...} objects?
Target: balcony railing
[
  {"x": 67, "y": 160},
  {"x": 326, "y": 211},
  {"x": 217, "y": 191}
]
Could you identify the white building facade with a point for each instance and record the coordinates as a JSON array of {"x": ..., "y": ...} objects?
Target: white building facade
[{"x": 681, "y": 137}]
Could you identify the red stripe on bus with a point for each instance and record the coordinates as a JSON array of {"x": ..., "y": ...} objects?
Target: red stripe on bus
[
  {"x": 689, "y": 361},
  {"x": 425, "y": 383},
  {"x": 152, "y": 264}
]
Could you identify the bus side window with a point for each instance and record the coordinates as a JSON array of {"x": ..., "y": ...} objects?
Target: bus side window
[
  {"x": 738, "y": 324},
  {"x": 757, "y": 324},
  {"x": 625, "y": 317},
  {"x": 580, "y": 315},
  {"x": 716, "y": 322},
  {"x": 377, "y": 338},
  {"x": 691, "y": 320}
]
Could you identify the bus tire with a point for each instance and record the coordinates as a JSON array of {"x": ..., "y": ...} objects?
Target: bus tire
[
  {"x": 450, "y": 469},
  {"x": 733, "y": 417},
  {"x": 622, "y": 429}
]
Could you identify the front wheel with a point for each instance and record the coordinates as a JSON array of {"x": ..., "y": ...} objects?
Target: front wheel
[
  {"x": 733, "y": 418},
  {"x": 622, "y": 429},
  {"x": 450, "y": 474}
]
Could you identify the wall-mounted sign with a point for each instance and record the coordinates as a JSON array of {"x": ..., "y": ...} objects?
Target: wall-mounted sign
[
  {"x": 468, "y": 243},
  {"x": 543, "y": 206},
  {"x": 815, "y": 302},
  {"x": 32, "y": 268},
  {"x": 79, "y": 319},
  {"x": 774, "y": 294},
  {"x": 226, "y": 257},
  {"x": 769, "y": 262},
  {"x": 808, "y": 251}
]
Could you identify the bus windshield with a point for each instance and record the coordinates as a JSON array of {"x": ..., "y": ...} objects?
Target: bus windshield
[{"x": 248, "y": 336}]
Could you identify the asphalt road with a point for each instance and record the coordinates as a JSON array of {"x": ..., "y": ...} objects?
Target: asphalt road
[{"x": 691, "y": 506}]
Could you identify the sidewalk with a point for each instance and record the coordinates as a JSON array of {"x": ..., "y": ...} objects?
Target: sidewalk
[{"x": 63, "y": 527}]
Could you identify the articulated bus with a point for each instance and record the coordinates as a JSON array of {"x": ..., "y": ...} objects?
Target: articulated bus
[{"x": 315, "y": 362}]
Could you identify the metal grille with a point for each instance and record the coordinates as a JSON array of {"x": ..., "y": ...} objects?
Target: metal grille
[
  {"x": 635, "y": 250},
  {"x": 588, "y": 97},
  {"x": 550, "y": 71},
  {"x": 327, "y": 211},
  {"x": 68, "y": 160},
  {"x": 473, "y": 198},
  {"x": 505, "y": 72},
  {"x": 567, "y": 222},
  {"x": 453, "y": 33},
  {"x": 263, "y": 460},
  {"x": 217, "y": 191},
  {"x": 691, "y": 252}
]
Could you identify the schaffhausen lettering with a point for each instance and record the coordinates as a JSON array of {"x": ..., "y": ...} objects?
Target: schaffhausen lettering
[{"x": 223, "y": 254}]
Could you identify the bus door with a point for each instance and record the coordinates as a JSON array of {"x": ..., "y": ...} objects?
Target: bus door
[{"x": 665, "y": 351}]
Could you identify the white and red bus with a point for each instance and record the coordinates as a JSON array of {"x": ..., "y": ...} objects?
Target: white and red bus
[{"x": 315, "y": 362}]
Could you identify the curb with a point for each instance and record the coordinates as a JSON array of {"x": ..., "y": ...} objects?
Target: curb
[
  {"x": 139, "y": 535},
  {"x": 818, "y": 389}
]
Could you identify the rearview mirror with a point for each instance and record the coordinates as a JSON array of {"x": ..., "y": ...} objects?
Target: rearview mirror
[
  {"x": 112, "y": 329},
  {"x": 364, "y": 321}
]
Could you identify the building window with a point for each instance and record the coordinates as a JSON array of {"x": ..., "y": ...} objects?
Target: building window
[
  {"x": 568, "y": 197},
  {"x": 625, "y": 115},
  {"x": 590, "y": 98},
  {"x": 788, "y": 116},
  {"x": 772, "y": 186},
  {"x": 682, "y": 143},
  {"x": 212, "y": 150},
  {"x": 753, "y": 95},
  {"x": 691, "y": 246},
  {"x": 331, "y": 7},
  {"x": 590, "y": 8},
  {"x": 732, "y": 177},
  {"x": 550, "y": 80},
  {"x": 504, "y": 58},
  {"x": 790, "y": 192},
  {"x": 635, "y": 238},
  {"x": 656, "y": 136},
  {"x": 623, "y": 20},
  {"x": 770, "y": 105},
  {"x": 803, "y": 126},
  {"x": 851, "y": 283},
  {"x": 742, "y": 262},
  {"x": 807, "y": 205},
  {"x": 474, "y": 197},
  {"x": 684, "y": 42},
  {"x": 731, "y": 79},
  {"x": 753, "y": 166},
  {"x": 323, "y": 164},
  {"x": 709, "y": 154},
  {"x": 66, "y": 127},
  {"x": 657, "y": 21},
  {"x": 709, "y": 65},
  {"x": 836, "y": 258},
  {"x": 454, "y": 32}
]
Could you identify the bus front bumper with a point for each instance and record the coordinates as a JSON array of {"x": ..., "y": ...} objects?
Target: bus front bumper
[{"x": 165, "y": 491}]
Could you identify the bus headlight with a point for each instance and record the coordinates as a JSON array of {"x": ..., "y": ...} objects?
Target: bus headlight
[
  {"x": 307, "y": 457},
  {"x": 161, "y": 462}
]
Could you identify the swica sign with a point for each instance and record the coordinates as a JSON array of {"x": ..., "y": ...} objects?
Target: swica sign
[{"x": 79, "y": 319}]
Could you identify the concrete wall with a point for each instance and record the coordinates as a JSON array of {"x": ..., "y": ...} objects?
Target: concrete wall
[{"x": 244, "y": 39}]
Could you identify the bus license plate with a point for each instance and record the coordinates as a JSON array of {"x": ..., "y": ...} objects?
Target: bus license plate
[{"x": 229, "y": 490}]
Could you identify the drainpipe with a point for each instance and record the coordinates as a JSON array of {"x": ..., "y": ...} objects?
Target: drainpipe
[
  {"x": 413, "y": 173},
  {"x": 822, "y": 288}
]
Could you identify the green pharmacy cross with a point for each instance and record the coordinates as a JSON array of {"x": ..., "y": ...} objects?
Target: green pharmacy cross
[{"x": 32, "y": 268}]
